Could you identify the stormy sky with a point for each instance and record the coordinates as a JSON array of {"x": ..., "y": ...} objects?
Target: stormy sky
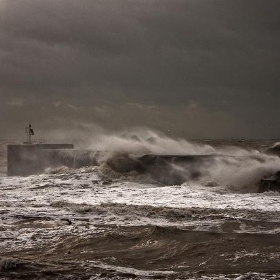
[{"x": 192, "y": 68}]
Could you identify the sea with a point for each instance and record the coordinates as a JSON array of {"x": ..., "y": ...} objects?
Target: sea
[{"x": 93, "y": 222}]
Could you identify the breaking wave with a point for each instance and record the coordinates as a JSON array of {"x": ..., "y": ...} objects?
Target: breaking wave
[{"x": 152, "y": 156}]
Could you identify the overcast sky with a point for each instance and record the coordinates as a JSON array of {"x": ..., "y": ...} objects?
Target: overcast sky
[{"x": 192, "y": 68}]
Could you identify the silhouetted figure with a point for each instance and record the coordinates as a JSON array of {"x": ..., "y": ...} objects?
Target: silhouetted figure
[{"x": 29, "y": 131}]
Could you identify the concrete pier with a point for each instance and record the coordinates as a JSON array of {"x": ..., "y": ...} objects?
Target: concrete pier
[
  {"x": 30, "y": 159},
  {"x": 24, "y": 160}
]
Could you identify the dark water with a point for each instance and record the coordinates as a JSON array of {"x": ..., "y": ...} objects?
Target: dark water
[{"x": 96, "y": 223}]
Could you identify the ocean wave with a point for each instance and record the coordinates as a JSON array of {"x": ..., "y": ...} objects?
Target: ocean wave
[{"x": 171, "y": 214}]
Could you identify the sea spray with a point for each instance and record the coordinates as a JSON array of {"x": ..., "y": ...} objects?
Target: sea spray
[{"x": 122, "y": 152}]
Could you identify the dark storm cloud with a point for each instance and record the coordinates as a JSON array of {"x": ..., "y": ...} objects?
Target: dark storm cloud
[{"x": 94, "y": 58}]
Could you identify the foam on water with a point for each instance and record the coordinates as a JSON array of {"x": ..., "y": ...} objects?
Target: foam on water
[
  {"x": 99, "y": 219},
  {"x": 62, "y": 195}
]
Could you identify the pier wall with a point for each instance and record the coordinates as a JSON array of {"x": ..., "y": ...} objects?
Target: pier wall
[{"x": 25, "y": 160}]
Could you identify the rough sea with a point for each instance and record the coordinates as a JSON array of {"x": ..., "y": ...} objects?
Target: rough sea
[{"x": 96, "y": 223}]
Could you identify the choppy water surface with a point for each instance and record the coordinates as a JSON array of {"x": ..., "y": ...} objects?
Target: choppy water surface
[{"x": 90, "y": 223}]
